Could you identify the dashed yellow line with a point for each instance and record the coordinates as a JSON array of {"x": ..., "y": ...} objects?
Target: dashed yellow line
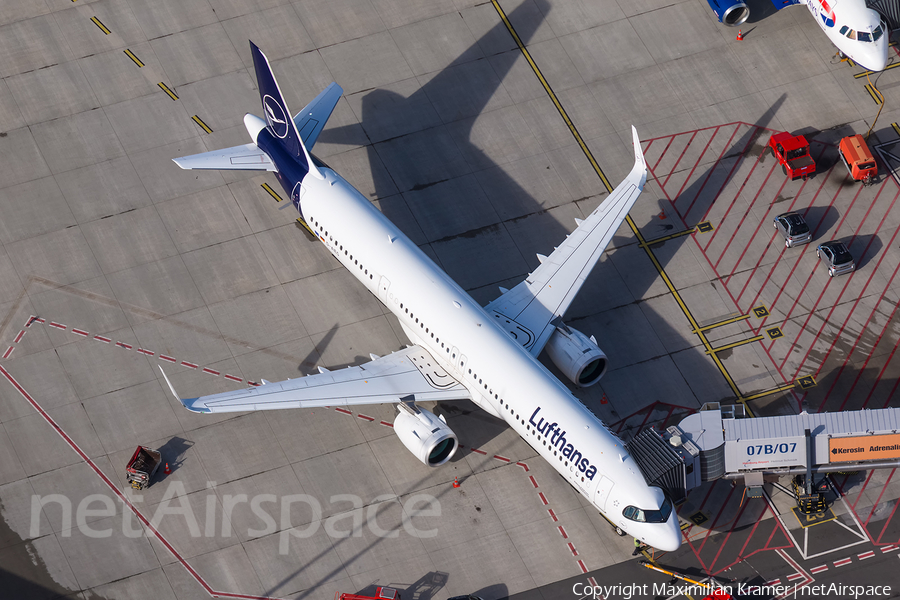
[
  {"x": 166, "y": 89},
  {"x": 272, "y": 192},
  {"x": 866, "y": 73},
  {"x": 775, "y": 390},
  {"x": 875, "y": 94},
  {"x": 203, "y": 125},
  {"x": 305, "y": 226},
  {"x": 131, "y": 55},
  {"x": 102, "y": 27},
  {"x": 896, "y": 128},
  {"x": 553, "y": 98}
]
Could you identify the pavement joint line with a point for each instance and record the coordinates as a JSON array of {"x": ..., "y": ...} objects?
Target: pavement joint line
[{"x": 124, "y": 499}]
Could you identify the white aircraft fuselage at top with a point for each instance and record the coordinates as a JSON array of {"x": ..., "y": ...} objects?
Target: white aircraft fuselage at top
[
  {"x": 855, "y": 29},
  {"x": 461, "y": 349}
]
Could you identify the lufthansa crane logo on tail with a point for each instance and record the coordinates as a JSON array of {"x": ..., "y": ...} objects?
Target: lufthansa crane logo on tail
[{"x": 275, "y": 116}]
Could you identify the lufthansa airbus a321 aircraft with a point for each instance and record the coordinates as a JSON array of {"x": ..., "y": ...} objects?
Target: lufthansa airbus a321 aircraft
[
  {"x": 459, "y": 349},
  {"x": 855, "y": 29}
]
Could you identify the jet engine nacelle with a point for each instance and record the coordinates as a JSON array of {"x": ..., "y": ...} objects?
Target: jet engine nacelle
[
  {"x": 730, "y": 12},
  {"x": 425, "y": 435},
  {"x": 577, "y": 356}
]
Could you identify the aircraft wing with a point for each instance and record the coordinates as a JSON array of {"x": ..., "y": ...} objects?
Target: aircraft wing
[
  {"x": 531, "y": 311},
  {"x": 384, "y": 380},
  {"x": 311, "y": 120},
  {"x": 244, "y": 158}
]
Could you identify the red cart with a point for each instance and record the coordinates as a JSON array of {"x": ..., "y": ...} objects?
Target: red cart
[{"x": 142, "y": 466}]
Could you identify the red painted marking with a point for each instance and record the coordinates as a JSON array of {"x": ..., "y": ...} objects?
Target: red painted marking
[
  {"x": 344, "y": 410},
  {"x": 365, "y": 417},
  {"x": 818, "y": 569},
  {"x": 211, "y": 371},
  {"x": 503, "y": 458},
  {"x": 865, "y": 484},
  {"x": 843, "y": 562},
  {"x": 591, "y": 580},
  {"x": 479, "y": 451},
  {"x": 675, "y": 166},
  {"x": 19, "y": 337},
  {"x": 773, "y": 582},
  {"x": 543, "y": 498},
  {"x": 124, "y": 345},
  {"x": 572, "y": 549},
  {"x": 562, "y": 532},
  {"x": 533, "y": 481},
  {"x": 8, "y": 352},
  {"x": 115, "y": 490},
  {"x": 146, "y": 352},
  {"x": 795, "y": 576},
  {"x": 231, "y": 377},
  {"x": 584, "y": 570},
  {"x": 877, "y": 502},
  {"x": 57, "y": 325},
  {"x": 889, "y": 549},
  {"x": 189, "y": 365},
  {"x": 523, "y": 465},
  {"x": 552, "y": 515},
  {"x": 78, "y": 331},
  {"x": 100, "y": 338},
  {"x": 40, "y": 320},
  {"x": 253, "y": 383},
  {"x": 386, "y": 424},
  {"x": 866, "y": 555}
]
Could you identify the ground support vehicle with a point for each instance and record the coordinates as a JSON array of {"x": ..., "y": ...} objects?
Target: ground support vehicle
[
  {"x": 836, "y": 257},
  {"x": 858, "y": 159},
  {"x": 793, "y": 229},
  {"x": 142, "y": 466},
  {"x": 792, "y": 151}
]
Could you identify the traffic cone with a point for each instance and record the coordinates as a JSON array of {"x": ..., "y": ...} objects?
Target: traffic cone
[
  {"x": 168, "y": 470},
  {"x": 740, "y": 36},
  {"x": 456, "y": 482},
  {"x": 662, "y": 215}
]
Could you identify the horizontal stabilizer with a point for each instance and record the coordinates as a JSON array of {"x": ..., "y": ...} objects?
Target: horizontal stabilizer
[
  {"x": 311, "y": 120},
  {"x": 238, "y": 158}
]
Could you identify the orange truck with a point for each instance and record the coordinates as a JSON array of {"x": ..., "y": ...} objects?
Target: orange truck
[
  {"x": 858, "y": 159},
  {"x": 381, "y": 593}
]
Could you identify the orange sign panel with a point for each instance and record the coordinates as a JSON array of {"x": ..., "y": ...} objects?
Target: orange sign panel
[{"x": 865, "y": 447}]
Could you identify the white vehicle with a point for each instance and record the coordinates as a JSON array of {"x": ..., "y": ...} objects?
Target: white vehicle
[
  {"x": 855, "y": 29},
  {"x": 460, "y": 350}
]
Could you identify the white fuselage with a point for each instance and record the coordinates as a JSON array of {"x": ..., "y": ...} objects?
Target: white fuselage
[
  {"x": 855, "y": 29},
  {"x": 504, "y": 379}
]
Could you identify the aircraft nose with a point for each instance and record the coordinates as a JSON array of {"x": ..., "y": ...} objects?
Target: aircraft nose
[
  {"x": 669, "y": 539},
  {"x": 874, "y": 58}
]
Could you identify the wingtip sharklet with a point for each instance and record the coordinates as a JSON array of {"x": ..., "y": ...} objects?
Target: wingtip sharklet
[
  {"x": 640, "y": 163},
  {"x": 188, "y": 403}
]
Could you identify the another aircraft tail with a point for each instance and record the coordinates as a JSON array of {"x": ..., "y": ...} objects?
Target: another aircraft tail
[{"x": 277, "y": 114}]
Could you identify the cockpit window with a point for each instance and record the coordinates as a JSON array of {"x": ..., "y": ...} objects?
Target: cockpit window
[
  {"x": 864, "y": 36},
  {"x": 876, "y": 35},
  {"x": 649, "y": 516}
]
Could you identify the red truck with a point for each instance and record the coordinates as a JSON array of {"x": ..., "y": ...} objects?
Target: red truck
[{"x": 792, "y": 151}]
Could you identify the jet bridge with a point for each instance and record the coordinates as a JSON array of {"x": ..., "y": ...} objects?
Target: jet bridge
[
  {"x": 819, "y": 443},
  {"x": 719, "y": 442}
]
